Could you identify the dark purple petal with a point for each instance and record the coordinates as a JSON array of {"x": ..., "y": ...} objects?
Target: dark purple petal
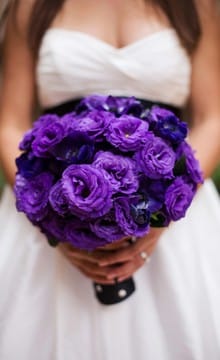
[
  {"x": 92, "y": 102},
  {"x": 107, "y": 228},
  {"x": 58, "y": 199},
  {"x": 54, "y": 225},
  {"x": 29, "y": 165},
  {"x": 167, "y": 125},
  {"x": 191, "y": 163},
  {"x": 75, "y": 148},
  {"x": 27, "y": 140},
  {"x": 154, "y": 189},
  {"x": 124, "y": 106},
  {"x": 132, "y": 216},
  {"x": 79, "y": 234}
]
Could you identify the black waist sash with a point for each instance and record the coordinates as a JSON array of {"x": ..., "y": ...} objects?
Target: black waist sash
[{"x": 70, "y": 106}]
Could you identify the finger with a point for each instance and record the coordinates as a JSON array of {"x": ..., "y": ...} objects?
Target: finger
[
  {"x": 91, "y": 256},
  {"x": 83, "y": 268},
  {"x": 127, "y": 269},
  {"x": 145, "y": 243},
  {"x": 93, "y": 269},
  {"x": 123, "y": 255},
  {"x": 93, "y": 276},
  {"x": 97, "y": 279}
]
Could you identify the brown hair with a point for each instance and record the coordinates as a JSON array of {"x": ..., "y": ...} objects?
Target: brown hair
[{"x": 182, "y": 15}]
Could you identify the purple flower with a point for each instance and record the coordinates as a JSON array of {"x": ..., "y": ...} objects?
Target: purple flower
[
  {"x": 48, "y": 135},
  {"x": 94, "y": 124},
  {"x": 58, "y": 199},
  {"x": 87, "y": 191},
  {"x": 155, "y": 189},
  {"x": 167, "y": 125},
  {"x": 27, "y": 140},
  {"x": 54, "y": 225},
  {"x": 132, "y": 215},
  {"x": 114, "y": 104},
  {"x": 191, "y": 163},
  {"x": 119, "y": 171},
  {"x": 92, "y": 102},
  {"x": 123, "y": 106},
  {"x": 107, "y": 228},
  {"x": 29, "y": 165},
  {"x": 75, "y": 148},
  {"x": 127, "y": 133},
  {"x": 151, "y": 195},
  {"x": 178, "y": 198},
  {"x": 32, "y": 195},
  {"x": 156, "y": 159},
  {"x": 45, "y": 120},
  {"x": 79, "y": 234}
]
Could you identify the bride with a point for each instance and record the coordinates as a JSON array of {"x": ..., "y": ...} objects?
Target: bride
[{"x": 162, "y": 51}]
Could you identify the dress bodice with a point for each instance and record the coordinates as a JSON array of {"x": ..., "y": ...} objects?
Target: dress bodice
[{"x": 74, "y": 64}]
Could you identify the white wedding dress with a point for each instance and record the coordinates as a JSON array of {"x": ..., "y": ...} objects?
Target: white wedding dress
[{"x": 48, "y": 310}]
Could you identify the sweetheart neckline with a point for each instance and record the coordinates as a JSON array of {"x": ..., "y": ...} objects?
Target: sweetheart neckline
[{"x": 93, "y": 38}]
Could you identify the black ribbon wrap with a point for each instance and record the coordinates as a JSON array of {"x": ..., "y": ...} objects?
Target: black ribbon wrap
[{"x": 120, "y": 291}]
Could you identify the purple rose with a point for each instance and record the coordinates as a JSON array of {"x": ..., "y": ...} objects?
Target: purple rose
[
  {"x": 107, "y": 228},
  {"x": 48, "y": 135},
  {"x": 79, "y": 234},
  {"x": 167, "y": 125},
  {"x": 191, "y": 163},
  {"x": 178, "y": 198},
  {"x": 132, "y": 215},
  {"x": 58, "y": 199},
  {"x": 87, "y": 191},
  {"x": 32, "y": 195},
  {"x": 156, "y": 159},
  {"x": 94, "y": 124},
  {"x": 127, "y": 133},
  {"x": 119, "y": 171}
]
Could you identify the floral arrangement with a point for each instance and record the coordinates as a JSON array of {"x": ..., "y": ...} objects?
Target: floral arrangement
[{"x": 108, "y": 170}]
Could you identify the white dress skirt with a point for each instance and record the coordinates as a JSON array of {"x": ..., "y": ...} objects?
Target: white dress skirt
[{"x": 48, "y": 310}]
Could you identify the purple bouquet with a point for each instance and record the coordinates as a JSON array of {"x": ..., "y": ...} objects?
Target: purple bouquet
[{"x": 107, "y": 170}]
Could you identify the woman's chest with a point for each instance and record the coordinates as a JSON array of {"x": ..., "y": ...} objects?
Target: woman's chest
[{"x": 117, "y": 23}]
